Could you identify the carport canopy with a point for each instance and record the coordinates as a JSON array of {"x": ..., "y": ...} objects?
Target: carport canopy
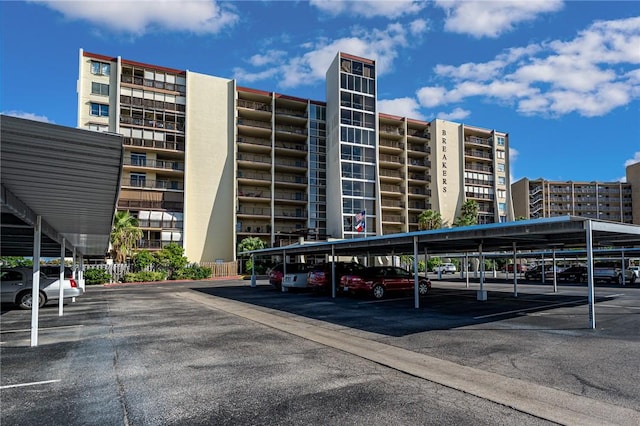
[
  {"x": 68, "y": 177},
  {"x": 564, "y": 232}
]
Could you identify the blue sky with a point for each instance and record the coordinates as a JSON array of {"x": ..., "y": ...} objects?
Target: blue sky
[{"x": 562, "y": 78}]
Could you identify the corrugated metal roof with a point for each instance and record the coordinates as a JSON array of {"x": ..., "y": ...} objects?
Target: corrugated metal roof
[{"x": 70, "y": 177}]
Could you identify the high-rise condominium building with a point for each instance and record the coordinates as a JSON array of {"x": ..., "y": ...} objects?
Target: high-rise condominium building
[
  {"x": 208, "y": 163},
  {"x": 614, "y": 201}
]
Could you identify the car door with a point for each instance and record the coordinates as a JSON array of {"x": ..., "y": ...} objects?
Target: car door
[{"x": 12, "y": 282}]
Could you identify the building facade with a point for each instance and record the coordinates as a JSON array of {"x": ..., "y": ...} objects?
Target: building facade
[
  {"x": 613, "y": 201},
  {"x": 209, "y": 163}
]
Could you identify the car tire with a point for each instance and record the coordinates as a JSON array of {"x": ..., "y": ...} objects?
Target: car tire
[
  {"x": 423, "y": 288},
  {"x": 620, "y": 279},
  {"x": 24, "y": 300},
  {"x": 378, "y": 291},
  {"x": 633, "y": 279}
]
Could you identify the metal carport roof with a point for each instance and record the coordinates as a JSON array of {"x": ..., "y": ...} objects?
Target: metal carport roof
[
  {"x": 69, "y": 177},
  {"x": 565, "y": 232}
]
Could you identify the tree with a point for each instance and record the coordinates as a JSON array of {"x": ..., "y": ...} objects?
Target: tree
[
  {"x": 124, "y": 236},
  {"x": 429, "y": 219},
  {"x": 249, "y": 244},
  {"x": 171, "y": 259},
  {"x": 468, "y": 214},
  {"x": 143, "y": 260},
  {"x": 15, "y": 262}
]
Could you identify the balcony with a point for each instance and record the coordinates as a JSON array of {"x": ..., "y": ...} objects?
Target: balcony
[
  {"x": 397, "y": 219},
  {"x": 419, "y": 176},
  {"x": 253, "y": 212},
  {"x": 395, "y": 189},
  {"x": 146, "y": 143},
  {"x": 254, "y": 123},
  {"x": 388, "y": 143},
  {"x": 153, "y": 184},
  {"x": 256, "y": 106},
  {"x": 253, "y": 160},
  {"x": 298, "y": 197},
  {"x": 175, "y": 206},
  {"x": 249, "y": 176},
  {"x": 394, "y": 174},
  {"x": 160, "y": 224},
  {"x": 478, "y": 154},
  {"x": 479, "y": 168},
  {"x": 391, "y": 203},
  {"x": 392, "y": 130},
  {"x": 419, "y": 162},
  {"x": 142, "y": 122},
  {"x": 154, "y": 164},
  {"x": 391, "y": 159},
  {"x": 479, "y": 141},
  {"x": 419, "y": 133},
  {"x": 414, "y": 147}
]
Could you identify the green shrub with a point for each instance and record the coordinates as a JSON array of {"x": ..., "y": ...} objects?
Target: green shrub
[
  {"x": 96, "y": 276},
  {"x": 144, "y": 276},
  {"x": 192, "y": 272}
]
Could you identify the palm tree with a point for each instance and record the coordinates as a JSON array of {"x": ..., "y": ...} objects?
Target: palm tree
[
  {"x": 124, "y": 236},
  {"x": 468, "y": 214},
  {"x": 429, "y": 219}
]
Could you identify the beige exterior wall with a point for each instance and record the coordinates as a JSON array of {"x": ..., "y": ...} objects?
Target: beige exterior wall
[
  {"x": 633, "y": 178},
  {"x": 447, "y": 168},
  {"x": 209, "y": 207},
  {"x": 520, "y": 198},
  {"x": 85, "y": 98}
]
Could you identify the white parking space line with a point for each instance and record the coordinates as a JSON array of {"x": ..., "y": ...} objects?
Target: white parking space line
[
  {"x": 620, "y": 306},
  {"x": 19, "y": 385},
  {"x": 384, "y": 300},
  {"x": 515, "y": 311},
  {"x": 26, "y": 330}
]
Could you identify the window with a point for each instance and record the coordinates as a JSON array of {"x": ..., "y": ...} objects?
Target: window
[
  {"x": 100, "y": 68},
  {"x": 501, "y": 167},
  {"x": 99, "y": 110},
  {"x": 99, "y": 89},
  {"x": 502, "y": 206},
  {"x": 501, "y": 140},
  {"x": 501, "y": 180},
  {"x": 138, "y": 180},
  {"x": 500, "y": 154},
  {"x": 502, "y": 193},
  {"x": 138, "y": 159}
]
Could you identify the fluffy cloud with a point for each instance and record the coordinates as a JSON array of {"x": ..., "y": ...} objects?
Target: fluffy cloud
[
  {"x": 403, "y": 107},
  {"x": 634, "y": 160},
  {"x": 456, "y": 114},
  {"x": 28, "y": 116},
  {"x": 591, "y": 75},
  {"x": 311, "y": 66},
  {"x": 370, "y": 8},
  {"x": 139, "y": 17},
  {"x": 492, "y": 18}
]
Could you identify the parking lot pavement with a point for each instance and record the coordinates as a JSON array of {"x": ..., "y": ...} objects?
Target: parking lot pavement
[{"x": 226, "y": 353}]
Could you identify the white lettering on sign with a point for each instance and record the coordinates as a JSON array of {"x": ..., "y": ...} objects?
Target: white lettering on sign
[{"x": 444, "y": 161}]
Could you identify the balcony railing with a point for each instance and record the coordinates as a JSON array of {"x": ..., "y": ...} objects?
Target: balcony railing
[
  {"x": 291, "y": 129},
  {"x": 243, "y": 174},
  {"x": 391, "y": 129},
  {"x": 258, "y": 106},
  {"x": 390, "y": 173},
  {"x": 146, "y": 143},
  {"x": 167, "y": 125},
  {"x": 479, "y": 168},
  {"x": 391, "y": 144},
  {"x": 254, "y": 158},
  {"x": 175, "y": 206},
  {"x": 418, "y": 148},
  {"x": 478, "y": 154},
  {"x": 155, "y": 164},
  {"x": 391, "y": 159},
  {"x": 391, "y": 188},
  {"x": 292, "y": 196},
  {"x": 479, "y": 141},
  {"x": 255, "y": 211},
  {"x": 140, "y": 81},
  {"x": 254, "y": 123},
  {"x": 254, "y": 141},
  {"x": 153, "y": 184},
  {"x": 419, "y": 133},
  {"x": 291, "y": 112},
  {"x": 164, "y": 224}
]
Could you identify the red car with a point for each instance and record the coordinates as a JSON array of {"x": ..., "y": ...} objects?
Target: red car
[
  {"x": 319, "y": 278},
  {"x": 378, "y": 280}
]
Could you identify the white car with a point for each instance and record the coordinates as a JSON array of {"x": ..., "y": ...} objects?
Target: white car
[
  {"x": 446, "y": 268},
  {"x": 16, "y": 287},
  {"x": 297, "y": 279},
  {"x": 635, "y": 270}
]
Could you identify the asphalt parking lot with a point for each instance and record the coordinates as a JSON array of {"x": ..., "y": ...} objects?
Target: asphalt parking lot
[{"x": 223, "y": 352}]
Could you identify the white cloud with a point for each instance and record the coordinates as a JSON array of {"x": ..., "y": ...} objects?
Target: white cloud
[
  {"x": 369, "y": 8},
  {"x": 403, "y": 107},
  {"x": 634, "y": 160},
  {"x": 268, "y": 58},
  {"x": 139, "y": 17},
  {"x": 382, "y": 45},
  {"x": 432, "y": 96},
  {"x": 492, "y": 18},
  {"x": 590, "y": 75},
  {"x": 28, "y": 116},
  {"x": 456, "y": 114}
]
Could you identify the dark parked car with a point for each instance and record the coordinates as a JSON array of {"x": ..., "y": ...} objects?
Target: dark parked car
[
  {"x": 574, "y": 274},
  {"x": 319, "y": 278},
  {"x": 276, "y": 273},
  {"x": 378, "y": 280}
]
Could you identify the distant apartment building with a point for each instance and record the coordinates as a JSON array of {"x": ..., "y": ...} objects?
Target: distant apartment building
[
  {"x": 613, "y": 201},
  {"x": 209, "y": 163}
]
